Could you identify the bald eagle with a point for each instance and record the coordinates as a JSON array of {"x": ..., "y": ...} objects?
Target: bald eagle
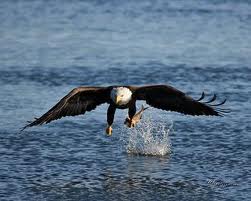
[{"x": 82, "y": 99}]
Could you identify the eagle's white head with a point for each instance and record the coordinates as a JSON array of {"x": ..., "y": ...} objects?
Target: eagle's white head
[{"x": 121, "y": 95}]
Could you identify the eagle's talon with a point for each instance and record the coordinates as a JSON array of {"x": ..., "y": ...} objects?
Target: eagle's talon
[
  {"x": 109, "y": 130},
  {"x": 128, "y": 122}
]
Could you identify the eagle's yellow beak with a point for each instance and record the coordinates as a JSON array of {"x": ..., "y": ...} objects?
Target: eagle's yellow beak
[{"x": 117, "y": 99}]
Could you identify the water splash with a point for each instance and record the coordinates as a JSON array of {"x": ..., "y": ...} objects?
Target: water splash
[{"x": 149, "y": 137}]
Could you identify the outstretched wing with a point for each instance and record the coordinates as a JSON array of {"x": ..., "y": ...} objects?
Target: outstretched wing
[
  {"x": 168, "y": 98},
  {"x": 77, "y": 102}
]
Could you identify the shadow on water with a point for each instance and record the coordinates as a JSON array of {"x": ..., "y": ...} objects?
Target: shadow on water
[{"x": 110, "y": 185}]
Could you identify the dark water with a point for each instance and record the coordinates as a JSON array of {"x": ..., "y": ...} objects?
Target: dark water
[{"x": 49, "y": 47}]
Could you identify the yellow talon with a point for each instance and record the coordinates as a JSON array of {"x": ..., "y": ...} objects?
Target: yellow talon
[
  {"x": 127, "y": 122},
  {"x": 130, "y": 123},
  {"x": 109, "y": 130}
]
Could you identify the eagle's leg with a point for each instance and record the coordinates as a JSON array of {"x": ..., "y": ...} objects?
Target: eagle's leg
[
  {"x": 131, "y": 112},
  {"x": 110, "y": 116}
]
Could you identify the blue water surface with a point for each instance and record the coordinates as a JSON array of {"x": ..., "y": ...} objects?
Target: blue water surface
[{"x": 49, "y": 47}]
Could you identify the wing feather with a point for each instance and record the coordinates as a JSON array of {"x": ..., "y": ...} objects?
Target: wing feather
[
  {"x": 77, "y": 102},
  {"x": 168, "y": 98}
]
